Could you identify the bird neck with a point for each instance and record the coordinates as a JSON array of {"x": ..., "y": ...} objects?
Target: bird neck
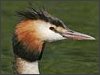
[{"x": 25, "y": 67}]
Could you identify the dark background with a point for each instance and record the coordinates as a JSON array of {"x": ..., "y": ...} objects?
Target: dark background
[{"x": 61, "y": 57}]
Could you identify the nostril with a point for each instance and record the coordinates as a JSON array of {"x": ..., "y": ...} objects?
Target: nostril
[{"x": 71, "y": 31}]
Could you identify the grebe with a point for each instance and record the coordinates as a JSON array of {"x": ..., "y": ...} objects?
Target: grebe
[{"x": 35, "y": 29}]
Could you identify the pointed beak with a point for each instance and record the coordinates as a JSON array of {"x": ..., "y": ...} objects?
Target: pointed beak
[{"x": 76, "y": 35}]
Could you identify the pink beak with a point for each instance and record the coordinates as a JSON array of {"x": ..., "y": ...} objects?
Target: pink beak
[{"x": 77, "y": 36}]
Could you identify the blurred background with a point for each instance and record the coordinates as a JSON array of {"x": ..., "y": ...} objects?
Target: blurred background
[{"x": 61, "y": 57}]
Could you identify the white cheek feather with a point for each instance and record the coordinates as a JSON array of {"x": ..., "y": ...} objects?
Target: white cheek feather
[{"x": 47, "y": 34}]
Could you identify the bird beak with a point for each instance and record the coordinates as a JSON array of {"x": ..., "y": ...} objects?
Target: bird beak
[{"x": 76, "y": 35}]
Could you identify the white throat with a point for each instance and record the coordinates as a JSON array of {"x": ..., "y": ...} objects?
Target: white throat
[{"x": 25, "y": 67}]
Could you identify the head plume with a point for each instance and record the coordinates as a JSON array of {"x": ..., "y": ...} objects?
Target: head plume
[{"x": 41, "y": 14}]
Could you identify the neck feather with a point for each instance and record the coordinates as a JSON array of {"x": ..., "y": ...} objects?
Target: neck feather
[
  {"x": 26, "y": 41},
  {"x": 25, "y": 67}
]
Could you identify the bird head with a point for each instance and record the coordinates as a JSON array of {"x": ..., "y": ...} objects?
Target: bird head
[
  {"x": 50, "y": 28},
  {"x": 37, "y": 27}
]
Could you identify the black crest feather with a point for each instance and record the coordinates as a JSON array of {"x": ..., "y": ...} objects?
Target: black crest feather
[{"x": 40, "y": 14}]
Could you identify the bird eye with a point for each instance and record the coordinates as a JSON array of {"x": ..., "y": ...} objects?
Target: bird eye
[{"x": 52, "y": 28}]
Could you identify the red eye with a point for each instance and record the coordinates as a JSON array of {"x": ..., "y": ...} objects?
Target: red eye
[{"x": 52, "y": 28}]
